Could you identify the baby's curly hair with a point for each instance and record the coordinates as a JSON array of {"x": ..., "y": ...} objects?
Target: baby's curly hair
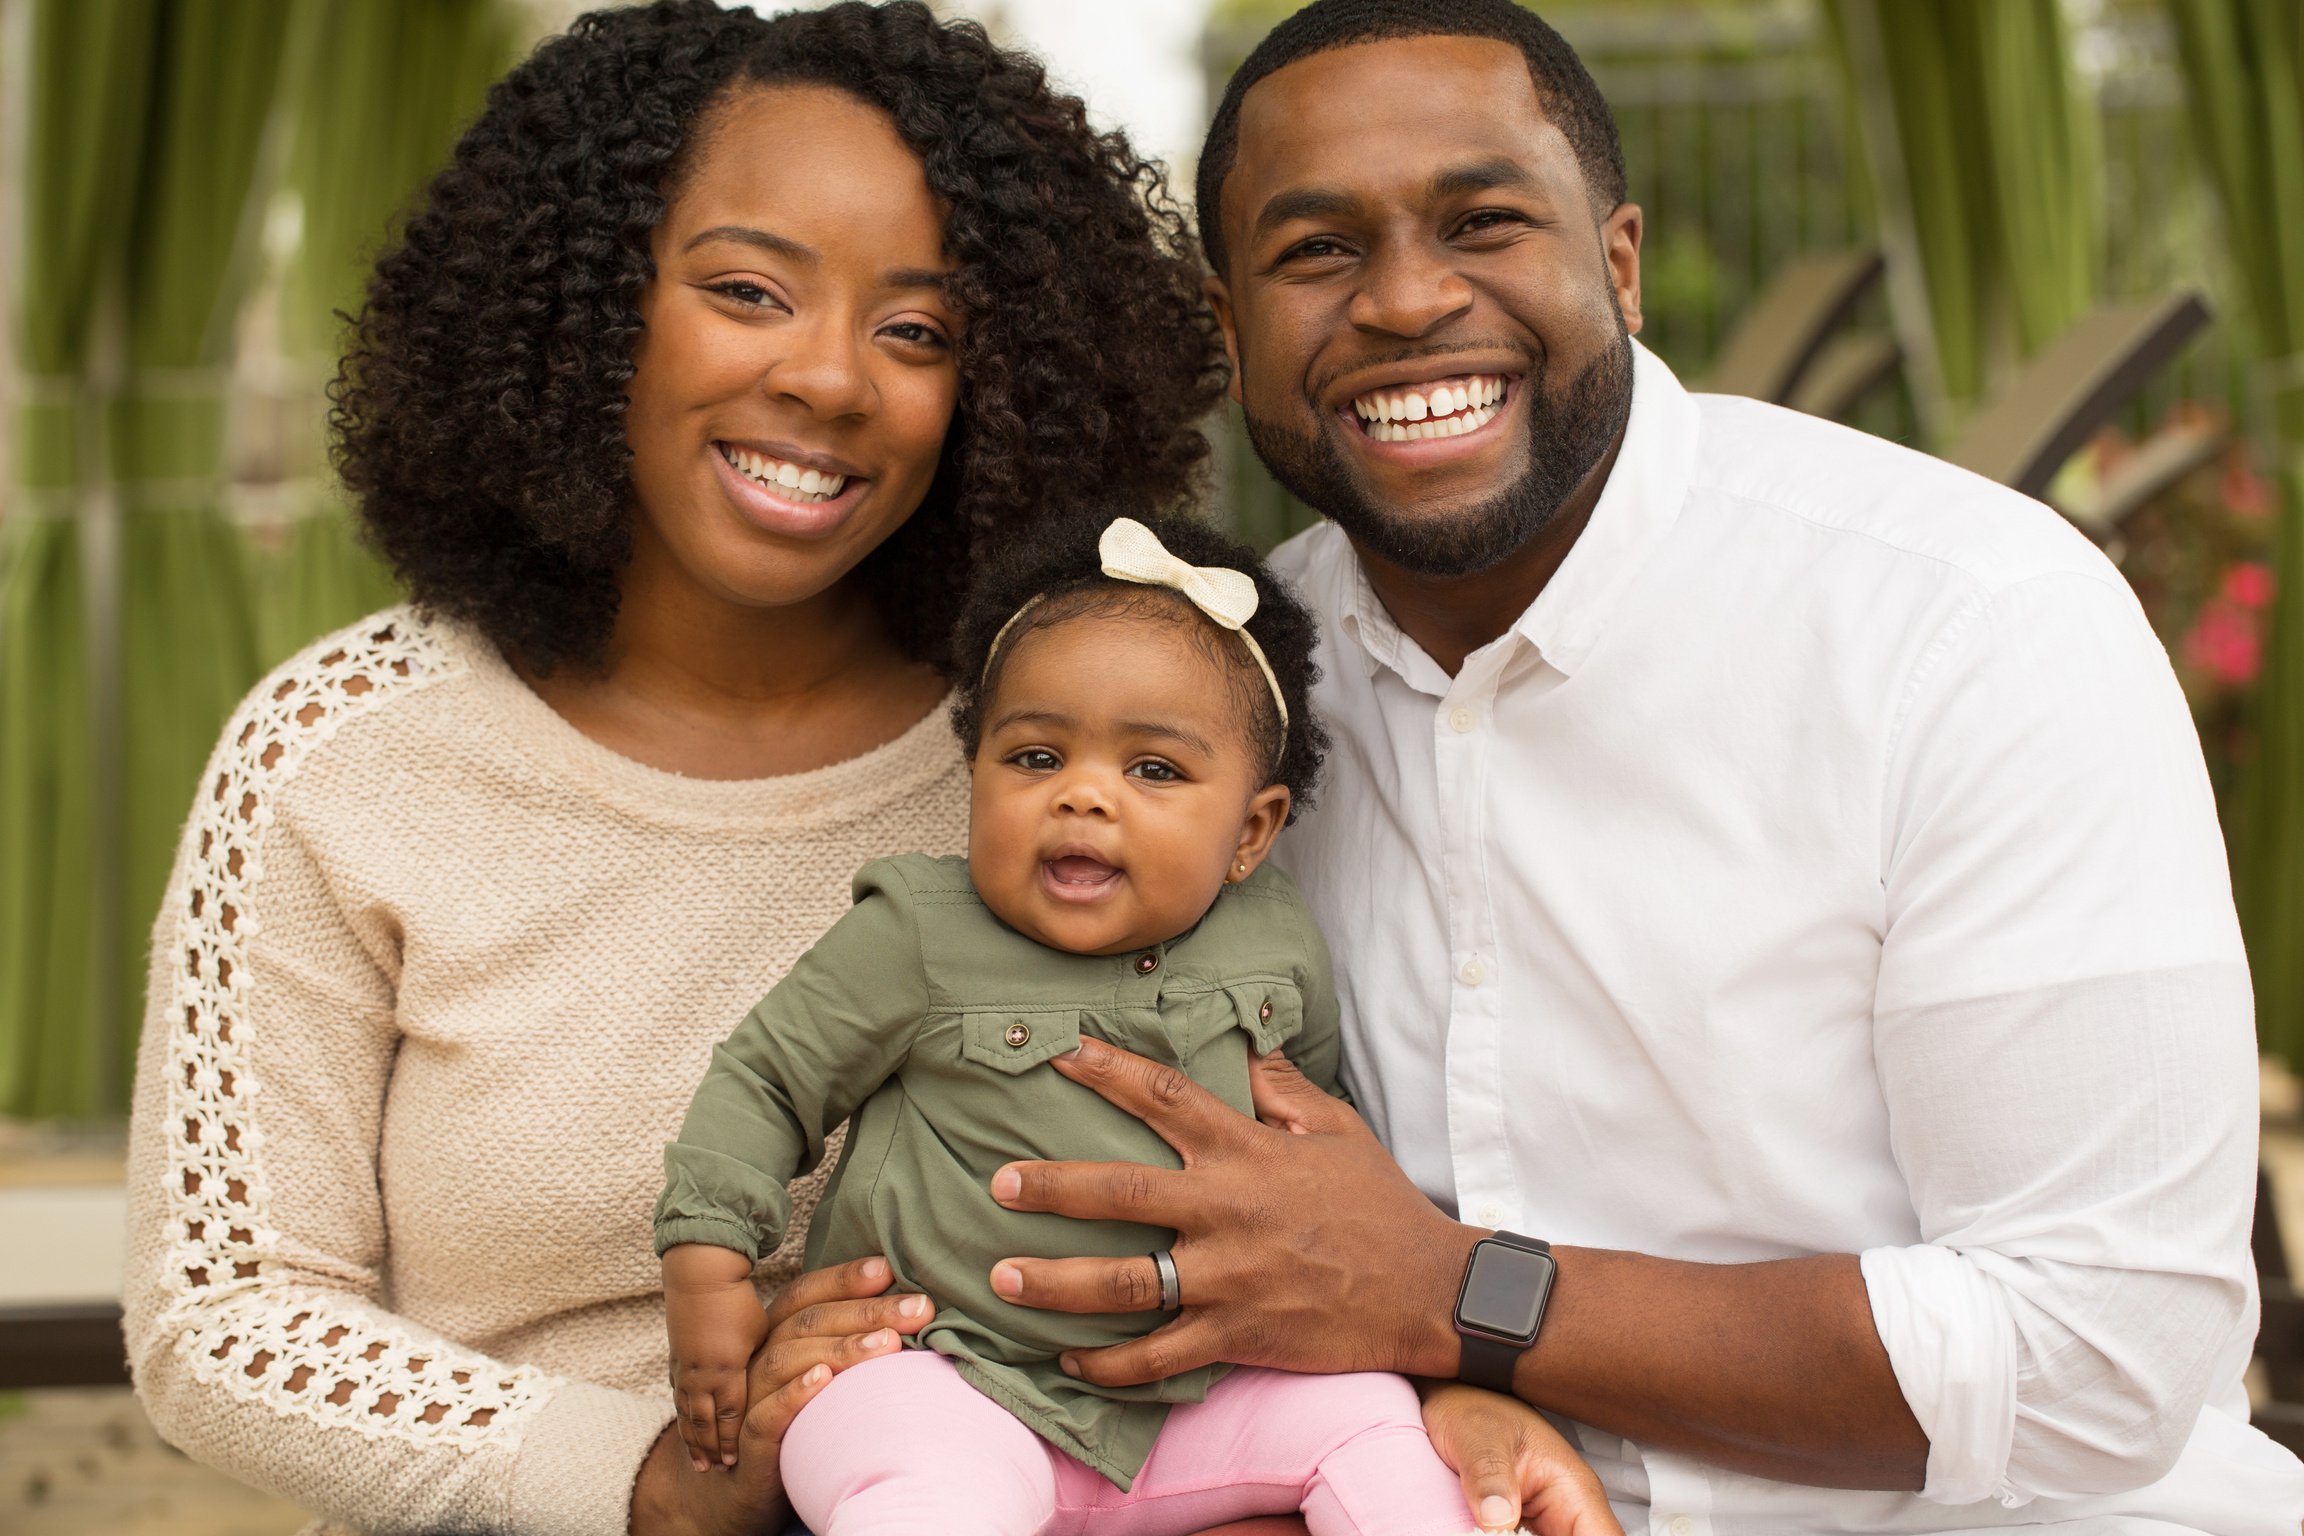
[
  {"x": 1059, "y": 565},
  {"x": 478, "y": 413}
]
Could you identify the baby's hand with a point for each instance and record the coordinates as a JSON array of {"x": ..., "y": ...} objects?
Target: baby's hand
[
  {"x": 1516, "y": 1468},
  {"x": 717, "y": 1325}
]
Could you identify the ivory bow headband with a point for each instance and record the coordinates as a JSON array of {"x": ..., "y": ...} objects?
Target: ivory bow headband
[{"x": 1132, "y": 552}]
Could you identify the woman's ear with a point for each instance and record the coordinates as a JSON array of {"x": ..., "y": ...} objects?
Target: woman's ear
[{"x": 1267, "y": 814}]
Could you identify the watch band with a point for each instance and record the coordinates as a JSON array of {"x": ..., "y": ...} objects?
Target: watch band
[{"x": 1484, "y": 1359}]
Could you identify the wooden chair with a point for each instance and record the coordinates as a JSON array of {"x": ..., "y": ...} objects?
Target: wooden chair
[
  {"x": 1784, "y": 330},
  {"x": 2057, "y": 401}
]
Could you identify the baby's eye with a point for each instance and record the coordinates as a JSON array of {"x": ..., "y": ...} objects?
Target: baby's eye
[
  {"x": 1035, "y": 760},
  {"x": 1156, "y": 772}
]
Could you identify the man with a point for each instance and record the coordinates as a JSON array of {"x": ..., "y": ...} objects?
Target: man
[{"x": 1773, "y": 867}]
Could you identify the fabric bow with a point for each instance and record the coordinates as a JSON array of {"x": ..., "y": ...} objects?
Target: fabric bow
[{"x": 1132, "y": 552}]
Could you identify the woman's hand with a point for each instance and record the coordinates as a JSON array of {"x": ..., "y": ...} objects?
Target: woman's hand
[
  {"x": 1517, "y": 1470},
  {"x": 818, "y": 1326}
]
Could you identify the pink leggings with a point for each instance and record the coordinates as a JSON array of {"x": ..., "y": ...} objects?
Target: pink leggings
[{"x": 902, "y": 1445}]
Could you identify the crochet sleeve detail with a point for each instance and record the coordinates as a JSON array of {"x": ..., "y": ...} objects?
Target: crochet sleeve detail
[{"x": 258, "y": 1330}]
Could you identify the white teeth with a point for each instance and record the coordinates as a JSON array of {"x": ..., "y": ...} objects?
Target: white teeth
[
  {"x": 1442, "y": 410},
  {"x": 807, "y": 484}
]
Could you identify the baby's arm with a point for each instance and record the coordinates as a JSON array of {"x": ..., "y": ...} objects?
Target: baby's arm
[
  {"x": 1318, "y": 1049},
  {"x": 717, "y": 1325},
  {"x": 1518, "y": 1471},
  {"x": 831, "y": 1032}
]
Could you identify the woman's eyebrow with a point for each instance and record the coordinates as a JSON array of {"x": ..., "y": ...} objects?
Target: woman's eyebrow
[{"x": 760, "y": 239}]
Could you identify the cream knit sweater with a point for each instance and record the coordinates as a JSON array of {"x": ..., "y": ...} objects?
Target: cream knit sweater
[{"x": 431, "y": 988}]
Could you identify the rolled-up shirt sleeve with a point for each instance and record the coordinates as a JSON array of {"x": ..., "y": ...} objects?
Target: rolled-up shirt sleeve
[{"x": 2065, "y": 1041}]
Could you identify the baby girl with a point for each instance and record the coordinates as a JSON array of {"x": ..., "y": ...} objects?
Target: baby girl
[{"x": 1139, "y": 733}]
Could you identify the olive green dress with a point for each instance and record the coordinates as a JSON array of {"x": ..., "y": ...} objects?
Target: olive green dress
[{"x": 932, "y": 1023}]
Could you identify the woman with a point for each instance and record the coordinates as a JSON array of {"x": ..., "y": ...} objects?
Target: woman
[{"x": 709, "y": 366}]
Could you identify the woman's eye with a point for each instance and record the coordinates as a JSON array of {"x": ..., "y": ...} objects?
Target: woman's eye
[
  {"x": 746, "y": 295},
  {"x": 917, "y": 334},
  {"x": 1035, "y": 760},
  {"x": 1157, "y": 772}
]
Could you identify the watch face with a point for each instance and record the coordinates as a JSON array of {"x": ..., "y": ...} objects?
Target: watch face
[{"x": 1504, "y": 1291}]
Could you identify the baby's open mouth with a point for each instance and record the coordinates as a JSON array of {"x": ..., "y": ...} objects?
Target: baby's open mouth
[
  {"x": 1442, "y": 408},
  {"x": 1079, "y": 872}
]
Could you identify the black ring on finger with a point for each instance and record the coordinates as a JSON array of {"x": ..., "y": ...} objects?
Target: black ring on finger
[{"x": 1171, "y": 1288}]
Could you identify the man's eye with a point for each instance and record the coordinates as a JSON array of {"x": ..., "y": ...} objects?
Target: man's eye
[
  {"x": 1318, "y": 248},
  {"x": 1035, "y": 760},
  {"x": 1157, "y": 772}
]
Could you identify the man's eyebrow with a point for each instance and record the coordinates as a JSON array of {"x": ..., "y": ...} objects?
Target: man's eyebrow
[
  {"x": 1483, "y": 176},
  {"x": 1303, "y": 203},
  {"x": 759, "y": 239}
]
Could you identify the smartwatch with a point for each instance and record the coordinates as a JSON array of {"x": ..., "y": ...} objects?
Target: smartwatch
[{"x": 1500, "y": 1306}]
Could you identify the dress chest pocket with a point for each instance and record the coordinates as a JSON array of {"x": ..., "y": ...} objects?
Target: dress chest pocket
[
  {"x": 1015, "y": 1040},
  {"x": 1271, "y": 1013}
]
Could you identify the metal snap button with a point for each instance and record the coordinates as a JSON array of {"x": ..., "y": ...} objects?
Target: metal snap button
[
  {"x": 1264, "y": 1010},
  {"x": 1146, "y": 964},
  {"x": 1019, "y": 1035}
]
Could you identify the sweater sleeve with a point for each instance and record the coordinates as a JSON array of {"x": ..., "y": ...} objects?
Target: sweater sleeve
[
  {"x": 259, "y": 1333},
  {"x": 833, "y": 1030}
]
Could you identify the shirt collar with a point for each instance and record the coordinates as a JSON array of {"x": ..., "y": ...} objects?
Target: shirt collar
[{"x": 1637, "y": 508}]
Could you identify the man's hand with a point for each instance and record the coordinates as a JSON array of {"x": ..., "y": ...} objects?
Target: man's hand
[{"x": 1300, "y": 1244}]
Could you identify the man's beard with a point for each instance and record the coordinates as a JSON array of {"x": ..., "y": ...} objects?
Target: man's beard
[{"x": 1568, "y": 434}]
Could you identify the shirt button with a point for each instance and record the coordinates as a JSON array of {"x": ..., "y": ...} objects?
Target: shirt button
[
  {"x": 1491, "y": 1215},
  {"x": 1472, "y": 972},
  {"x": 1019, "y": 1035},
  {"x": 1463, "y": 717},
  {"x": 1681, "y": 1526},
  {"x": 1146, "y": 964}
]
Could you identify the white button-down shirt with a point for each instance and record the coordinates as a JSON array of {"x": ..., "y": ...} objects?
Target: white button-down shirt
[{"x": 1824, "y": 863}]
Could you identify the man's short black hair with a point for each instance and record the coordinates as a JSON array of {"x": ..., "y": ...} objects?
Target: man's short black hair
[{"x": 1570, "y": 99}]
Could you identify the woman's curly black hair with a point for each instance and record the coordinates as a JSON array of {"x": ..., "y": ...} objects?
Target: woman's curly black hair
[
  {"x": 478, "y": 415},
  {"x": 1058, "y": 570}
]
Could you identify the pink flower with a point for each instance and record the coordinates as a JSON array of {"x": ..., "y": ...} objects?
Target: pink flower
[
  {"x": 2249, "y": 583},
  {"x": 2223, "y": 643},
  {"x": 2245, "y": 491}
]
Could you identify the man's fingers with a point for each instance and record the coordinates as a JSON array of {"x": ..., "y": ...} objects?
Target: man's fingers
[
  {"x": 765, "y": 1425},
  {"x": 776, "y": 1366},
  {"x": 1079, "y": 1285},
  {"x": 1287, "y": 1100},
  {"x": 1152, "y": 1197},
  {"x": 868, "y": 1276},
  {"x": 1187, "y": 1116},
  {"x": 1183, "y": 1345},
  {"x": 908, "y": 1313}
]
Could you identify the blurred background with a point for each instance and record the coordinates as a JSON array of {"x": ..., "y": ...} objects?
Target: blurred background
[{"x": 2058, "y": 241}]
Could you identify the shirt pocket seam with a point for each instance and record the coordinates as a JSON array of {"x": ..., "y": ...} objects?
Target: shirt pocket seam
[{"x": 986, "y": 1037}]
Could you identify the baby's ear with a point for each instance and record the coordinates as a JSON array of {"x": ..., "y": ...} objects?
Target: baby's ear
[{"x": 1267, "y": 814}]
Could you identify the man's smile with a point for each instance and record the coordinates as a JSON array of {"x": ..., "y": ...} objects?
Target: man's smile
[{"x": 1448, "y": 407}]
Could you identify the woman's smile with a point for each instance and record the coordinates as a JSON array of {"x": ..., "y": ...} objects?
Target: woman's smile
[{"x": 776, "y": 495}]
